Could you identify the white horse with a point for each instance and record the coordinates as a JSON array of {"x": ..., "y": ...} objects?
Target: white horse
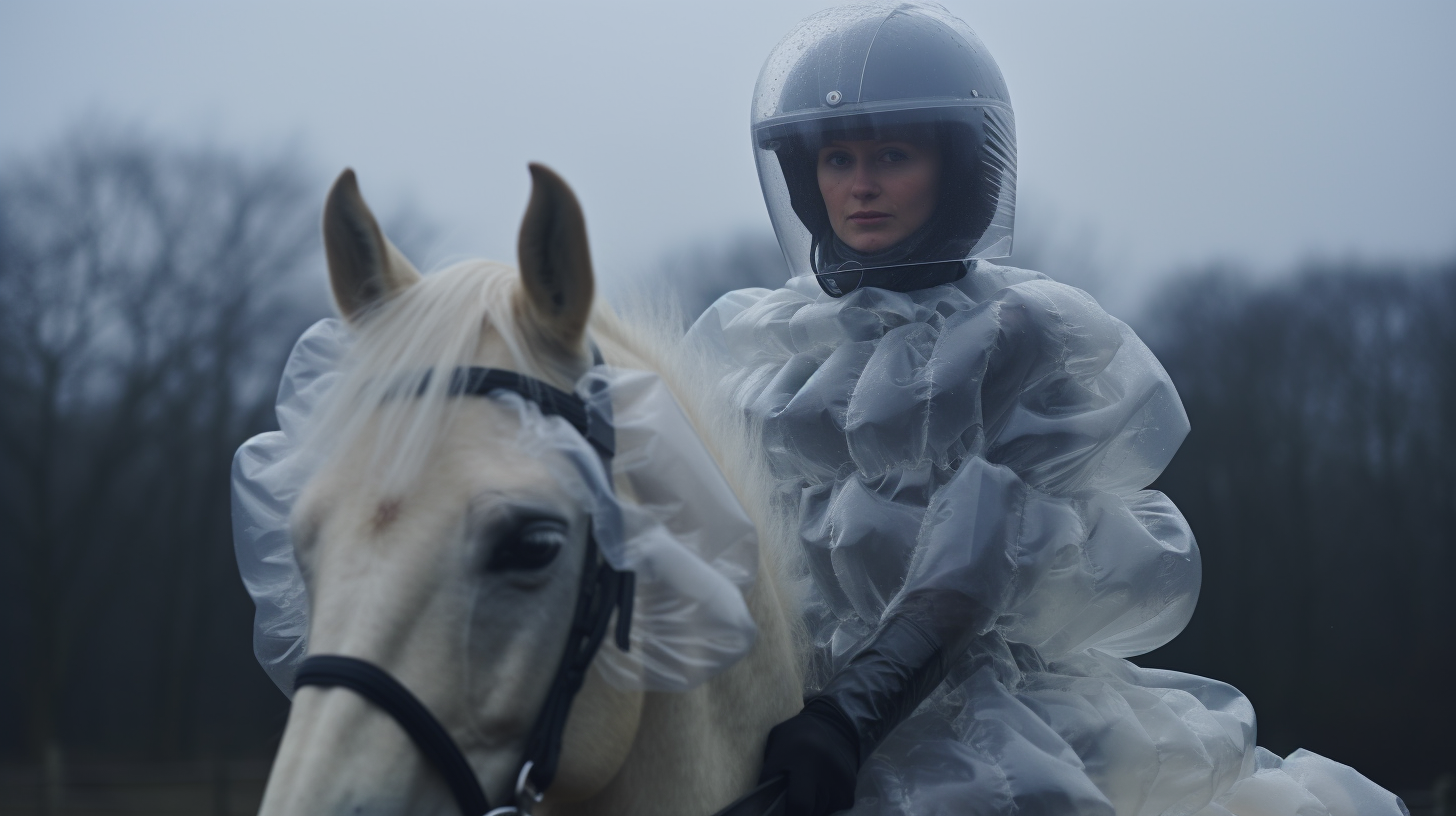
[{"x": 388, "y": 537}]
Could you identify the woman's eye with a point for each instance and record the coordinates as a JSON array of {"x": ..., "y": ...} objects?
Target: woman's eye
[
  {"x": 837, "y": 160},
  {"x": 531, "y": 547},
  {"x": 894, "y": 156}
]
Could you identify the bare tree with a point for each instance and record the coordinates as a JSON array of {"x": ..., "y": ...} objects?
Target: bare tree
[{"x": 148, "y": 296}]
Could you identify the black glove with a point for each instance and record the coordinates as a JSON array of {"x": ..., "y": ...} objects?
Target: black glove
[
  {"x": 821, "y": 748},
  {"x": 903, "y": 662},
  {"x": 819, "y": 751}
]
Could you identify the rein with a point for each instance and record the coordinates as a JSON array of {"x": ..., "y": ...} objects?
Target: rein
[{"x": 604, "y": 590}]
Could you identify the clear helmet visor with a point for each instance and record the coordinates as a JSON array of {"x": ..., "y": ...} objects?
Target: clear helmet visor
[{"x": 886, "y": 147}]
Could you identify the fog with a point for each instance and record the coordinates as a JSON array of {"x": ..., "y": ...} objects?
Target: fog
[{"x": 1153, "y": 137}]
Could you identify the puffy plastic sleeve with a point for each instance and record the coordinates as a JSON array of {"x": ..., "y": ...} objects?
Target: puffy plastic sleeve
[
  {"x": 268, "y": 472},
  {"x": 1045, "y": 527}
]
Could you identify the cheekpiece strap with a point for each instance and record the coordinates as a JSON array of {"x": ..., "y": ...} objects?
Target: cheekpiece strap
[{"x": 603, "y": 590}]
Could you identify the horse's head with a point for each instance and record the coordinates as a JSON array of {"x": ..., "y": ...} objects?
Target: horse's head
[{"x": 434, "y": 544}]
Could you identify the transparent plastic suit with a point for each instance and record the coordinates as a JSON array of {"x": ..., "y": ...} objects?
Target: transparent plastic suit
[
  {"x": 965, "y": 449},
  {"x": 975, "y": 455}
]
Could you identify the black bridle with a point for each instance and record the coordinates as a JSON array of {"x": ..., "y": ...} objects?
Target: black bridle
[{"x": 604, "y": 589}]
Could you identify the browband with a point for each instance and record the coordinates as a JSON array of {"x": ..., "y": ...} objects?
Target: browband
[{"x": 595, "y": 428}]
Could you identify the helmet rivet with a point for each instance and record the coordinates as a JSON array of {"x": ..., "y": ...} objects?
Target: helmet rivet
[
  {"x": 833, "y": 98},
  {"x": 975, "y": 93}
]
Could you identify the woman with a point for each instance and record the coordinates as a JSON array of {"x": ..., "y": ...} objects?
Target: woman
[{"x": 965, "y": 449}]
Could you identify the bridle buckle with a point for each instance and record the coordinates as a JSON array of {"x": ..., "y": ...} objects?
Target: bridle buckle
[{"x": 527, "y": 797}]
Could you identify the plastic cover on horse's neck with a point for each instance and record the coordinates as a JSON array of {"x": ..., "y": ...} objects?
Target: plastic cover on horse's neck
[{"x": 681, "y": 529}]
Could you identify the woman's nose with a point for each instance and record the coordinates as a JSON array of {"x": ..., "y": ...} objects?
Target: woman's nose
[{"x": 865, "y": 185}]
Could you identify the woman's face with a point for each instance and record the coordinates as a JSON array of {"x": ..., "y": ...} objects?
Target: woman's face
[{"x": 878, "y": 191}]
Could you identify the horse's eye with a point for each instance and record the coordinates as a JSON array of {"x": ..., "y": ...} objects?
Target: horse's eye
[{"x": 531, "y": 546}]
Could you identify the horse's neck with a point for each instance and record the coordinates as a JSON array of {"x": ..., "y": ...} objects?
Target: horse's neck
[{"x": 695, "y": 752}]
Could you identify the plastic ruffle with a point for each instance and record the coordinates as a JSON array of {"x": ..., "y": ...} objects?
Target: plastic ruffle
[
  {"x": 994, "y": 438},
  {"x": 682, "y": 531},
  {"x": 995, "y": 446},
  {"x": 269, "y": 472}
]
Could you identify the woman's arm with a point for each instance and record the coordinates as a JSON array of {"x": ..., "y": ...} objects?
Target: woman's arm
[{"x": 821, "y": 748}]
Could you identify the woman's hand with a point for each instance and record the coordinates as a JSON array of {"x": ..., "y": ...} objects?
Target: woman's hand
[{"x": 818, "y": 750}]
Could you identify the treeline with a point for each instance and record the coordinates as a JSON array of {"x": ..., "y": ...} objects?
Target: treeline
[
  {"x": 1320, "y": 480},
  {"x": 149, "y": 294}
]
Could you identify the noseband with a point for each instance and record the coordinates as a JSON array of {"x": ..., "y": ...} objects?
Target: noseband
[{"x": 604, "y": 590}]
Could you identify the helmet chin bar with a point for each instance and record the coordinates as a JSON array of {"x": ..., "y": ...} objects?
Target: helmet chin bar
[
  {"x": 850, "y": 276},
  {"x": 604, "y": 590}
]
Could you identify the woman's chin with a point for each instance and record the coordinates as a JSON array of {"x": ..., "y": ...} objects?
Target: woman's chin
[{"x": 870, "y": 244}]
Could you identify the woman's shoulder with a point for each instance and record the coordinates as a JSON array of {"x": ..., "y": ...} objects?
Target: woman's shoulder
[
  {"x": 1026, "y": 302},
  {"x": 984, "y": 279}
]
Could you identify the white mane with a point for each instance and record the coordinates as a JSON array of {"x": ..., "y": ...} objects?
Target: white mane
[{"x": 411, "y": 343}]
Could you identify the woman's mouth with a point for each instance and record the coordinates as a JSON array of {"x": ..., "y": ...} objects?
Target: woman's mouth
[{"x": 866, "y": 218}]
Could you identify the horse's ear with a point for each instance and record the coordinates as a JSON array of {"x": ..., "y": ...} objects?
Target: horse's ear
[
  {"x": 364, "y": 267},
  {"x": 555, "y": 261}
]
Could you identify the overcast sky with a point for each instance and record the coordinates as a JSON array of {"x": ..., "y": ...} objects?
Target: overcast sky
[{"x": 1171, "y": 133}]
